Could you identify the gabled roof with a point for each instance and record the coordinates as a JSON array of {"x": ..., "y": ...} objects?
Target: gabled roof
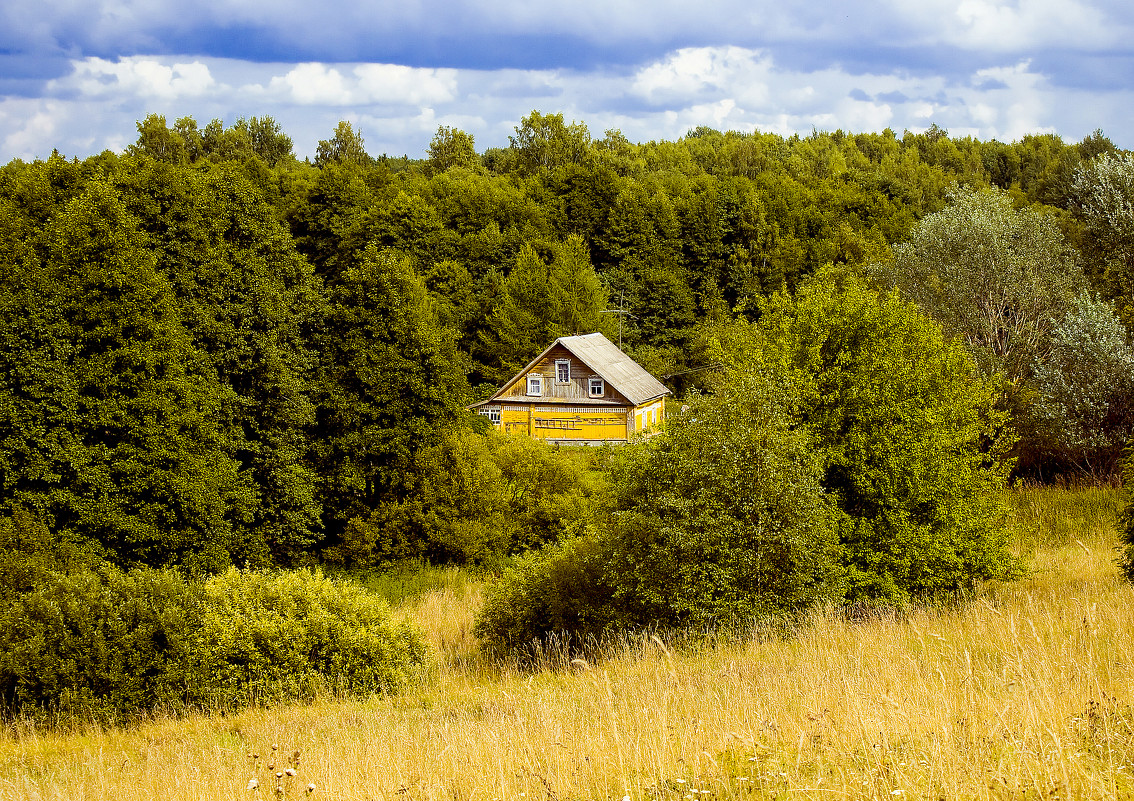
[{"x": 607, "y": 361}]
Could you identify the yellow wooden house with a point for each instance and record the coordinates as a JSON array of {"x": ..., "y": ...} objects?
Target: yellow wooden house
[{"x": 582, "y": 390}]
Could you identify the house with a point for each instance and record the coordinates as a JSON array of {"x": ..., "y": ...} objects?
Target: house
[{"x": 582, "y": 390}]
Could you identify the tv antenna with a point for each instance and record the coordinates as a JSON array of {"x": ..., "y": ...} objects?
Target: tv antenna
[{"x": 621, "y": 312}]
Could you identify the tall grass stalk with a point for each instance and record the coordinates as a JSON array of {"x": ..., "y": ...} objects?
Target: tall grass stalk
[{"x": 1026, "y": 692}]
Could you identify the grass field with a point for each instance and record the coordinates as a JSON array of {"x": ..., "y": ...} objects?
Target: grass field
[{"x": 1028, "y": 692}]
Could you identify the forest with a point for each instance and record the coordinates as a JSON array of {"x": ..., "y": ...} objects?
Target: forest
[
  {"x": 214, "y": 354},
  {"x": 243, "y": 354}
]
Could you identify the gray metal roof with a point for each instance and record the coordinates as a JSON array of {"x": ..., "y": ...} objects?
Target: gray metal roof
[
  {"x": 614, "y": 366},
  {"x": 606, "y": 360}
]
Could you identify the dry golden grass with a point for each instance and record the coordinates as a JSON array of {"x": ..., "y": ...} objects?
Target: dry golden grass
[{"x": 1024, "y": 693}]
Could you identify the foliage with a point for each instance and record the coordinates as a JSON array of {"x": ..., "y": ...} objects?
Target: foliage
[
  {"x": 249, "y": 303},
  {"x": 997, "y": 278},
  {"x": 840, "y": 458},
  {"x": 1086, "y": 387},
  {"x": 390, "y": 384},
  {"x": 722, "y": 519},
  {"x": 104, "y": 644},
  {"x": 725, "y": 517},
  {"x": 542, "y": 299},
  {"x": 188, "y": 382},
  {"x": 905, "y": 426},
  {"x": 452, "y": 147},
  {"x": 562, "y": 588},
  {"x": 478, "y": 499},
  {"x": 107, "y": 432},
  {"x": 345, "y": 147},
  {"x": 1104, "y": 188}
]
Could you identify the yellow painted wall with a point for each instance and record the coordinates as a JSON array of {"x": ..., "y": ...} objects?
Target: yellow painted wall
[
  {"x": 649, "y": 416},
  {"x": 576, "y": 423},
  {"x": 590, "y": 425}
]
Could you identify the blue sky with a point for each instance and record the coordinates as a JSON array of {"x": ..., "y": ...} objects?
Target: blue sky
[{"x": 77, "y": 74}]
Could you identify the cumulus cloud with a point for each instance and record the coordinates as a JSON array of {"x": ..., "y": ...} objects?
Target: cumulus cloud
[
  {"x": 310, "y": 84},
  {"x": 989, "y": 68},
  {"x": 691, "y": 72},
  {"x": 363, "y": 85},
  {"x": 143, "y": 77}
]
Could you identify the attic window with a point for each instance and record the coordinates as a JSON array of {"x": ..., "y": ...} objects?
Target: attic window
[
  {"x": 596, "y": 386},
  {"x": 563, "y": 371},
  {"x": 535, "y": 385}
]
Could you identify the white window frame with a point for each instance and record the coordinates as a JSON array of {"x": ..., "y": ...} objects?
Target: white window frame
[
  {"x": 592, "y": 383},
  {"x": 535, "y": 385},
  {"x": 493, "y": 414},
  {"x": 563, "y": 371}
]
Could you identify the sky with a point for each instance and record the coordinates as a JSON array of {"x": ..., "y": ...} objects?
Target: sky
[{"x": 77, "y": 75}]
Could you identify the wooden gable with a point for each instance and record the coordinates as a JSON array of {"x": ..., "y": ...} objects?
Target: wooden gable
[{"x": 563, "y": 378}]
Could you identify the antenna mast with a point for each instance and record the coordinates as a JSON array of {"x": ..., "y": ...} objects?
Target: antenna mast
[{"x": 621, "y": 312}]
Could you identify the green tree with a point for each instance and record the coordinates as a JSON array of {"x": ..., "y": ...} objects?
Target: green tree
[
  {"x": 250, "y": 304},
  {"x": 478, "y": 498},
  {"x": 1104, "y": 189},
  {"x": 390, "y": 384},
  {"x": 1086, "y": 387},
  {"x": 108, "y": 430},
  {"x": 345, "y": 147},
  {"x": 157, "y": 141},
  {"x": 543, "y": 299},
  {"x": 997, "y": 278},
  {"x": 901, "y": 418},
  {"x": 452, "y": 147},
  {"x": 722, "y": 520},
  {"x": 544, "y": 142},
  {"x": 268, "y": 140},
  {"x": 725, "y": 516}
]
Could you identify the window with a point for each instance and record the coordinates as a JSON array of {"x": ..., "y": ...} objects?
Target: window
[
  {"x": 535, "y": 385},
  {"x": 596, "y": 386},
  {"x": 563, "y": 371},
  {"x": 492, "y": 413}
]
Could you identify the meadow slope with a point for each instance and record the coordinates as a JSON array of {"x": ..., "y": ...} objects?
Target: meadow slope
[{"x": 1026, "y": 692}]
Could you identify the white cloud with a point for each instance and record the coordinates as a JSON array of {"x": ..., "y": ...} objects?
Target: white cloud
[
  {"x": 30, "y": 126},
  {"x": 400, "y": 107},
  {"x": 1018, "y": 26},
  {"x": 312, "y": 84},
  {"x": 362, "y": 85},
  {"x": 392, "y": 83},
  {"x": 692, "y": 71},
  {"x": 138, "y": 76}
]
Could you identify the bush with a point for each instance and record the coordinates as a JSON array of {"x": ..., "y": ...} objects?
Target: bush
[
  {"x": 558, "y": 589},
  {"x": 478, "y": 498},
  {"x": 287, "y": 635},
  {"x": 908, "y": 436},
  {"x": 1126, "y": 521},
  {"x": 110, "y": 645},
  {"x": 721, "y": 520}
]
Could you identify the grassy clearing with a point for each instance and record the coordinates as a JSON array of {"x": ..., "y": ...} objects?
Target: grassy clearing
[{"x": 1025, "y": 693}]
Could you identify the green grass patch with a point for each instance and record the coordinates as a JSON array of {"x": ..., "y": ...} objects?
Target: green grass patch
[{"x": 1051, "y": 516}]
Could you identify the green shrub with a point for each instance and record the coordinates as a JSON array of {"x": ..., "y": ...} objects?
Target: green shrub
[
  {"x": 560, "y": 589},
  {"x": 1126, "y": 521},
  {"x": 102, "y": 643},
  {"x": 478, "y": 498},
  {"x": 287, "y": 635},
  {"x": 907, "y": 434},
  {"x": 111, "y": 645},
  {"x": 721, "y": 520}
]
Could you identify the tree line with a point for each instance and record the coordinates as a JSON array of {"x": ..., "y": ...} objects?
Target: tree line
[{"x": 215, "y": 353}]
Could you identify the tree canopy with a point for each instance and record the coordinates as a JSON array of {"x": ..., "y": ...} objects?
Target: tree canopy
[{"x": 216, "y": 352}]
